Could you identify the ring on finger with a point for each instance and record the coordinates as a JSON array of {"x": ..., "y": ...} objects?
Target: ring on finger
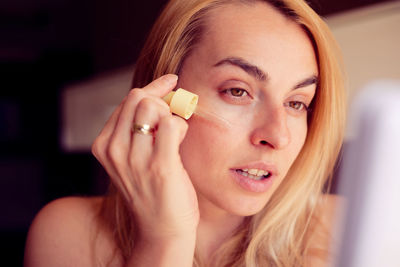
[{"x": 144, "y": 129}]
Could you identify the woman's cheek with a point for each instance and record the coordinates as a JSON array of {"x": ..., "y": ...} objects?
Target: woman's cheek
[
  {"x": 299, "y": 135},
  {"x": 201, "y": 147}
]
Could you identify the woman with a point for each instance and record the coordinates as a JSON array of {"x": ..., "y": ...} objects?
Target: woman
[{"x": 198, "y": 192}]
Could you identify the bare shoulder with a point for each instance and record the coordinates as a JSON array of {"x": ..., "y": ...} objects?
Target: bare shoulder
[
  {"x": 327, "y": 218},
  {"x": 62, "y": 233}
]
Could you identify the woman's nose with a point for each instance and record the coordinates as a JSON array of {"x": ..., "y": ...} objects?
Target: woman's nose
[{"x": 271, "y": 129}]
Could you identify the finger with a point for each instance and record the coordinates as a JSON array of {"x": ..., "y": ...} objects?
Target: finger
[
  {"x": 111, "y": 147},
  {"x": 162, "y": 86},
  {"x": 108, "y": 152},
  {"x": 148, "y": 112},
  {"x": 110, "y": 124},
  {"x": 169, "y": 136},
  {"x": 154, "y": 90},
  {"x": 125, "y": 117},
  {"x": 102, "y": 141}
]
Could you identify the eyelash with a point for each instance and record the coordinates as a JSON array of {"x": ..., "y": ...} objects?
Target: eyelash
[
  {"x": 239, "y": 89},
  {"x": 304, "y": 107}
]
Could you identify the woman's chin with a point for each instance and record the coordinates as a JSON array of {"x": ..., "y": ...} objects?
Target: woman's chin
[
  {"x": 247, "y": 211},
  {"x": 244, "y": 206}
]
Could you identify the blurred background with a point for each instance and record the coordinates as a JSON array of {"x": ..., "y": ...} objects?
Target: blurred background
[{"x": 64, "y": 66}]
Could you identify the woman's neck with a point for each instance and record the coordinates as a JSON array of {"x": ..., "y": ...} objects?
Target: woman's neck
[{"x": 215, "y": 227}]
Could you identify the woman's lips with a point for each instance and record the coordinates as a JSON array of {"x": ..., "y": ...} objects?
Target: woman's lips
[
  {"x": 259, "y": 168},
  {"x": 251, "y": 184}
]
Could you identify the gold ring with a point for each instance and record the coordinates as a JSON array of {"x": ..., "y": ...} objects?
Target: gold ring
[{"x": 142, "y": 129}]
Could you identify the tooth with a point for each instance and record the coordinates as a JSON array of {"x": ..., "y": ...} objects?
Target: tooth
[
  {"x": 245, "y": 170},
  {"x": 260, "y": 173},
  {"x": 253, "y": 171},
  {"x": 245, "y": 174},
  {"x": 257, "y": 178}
]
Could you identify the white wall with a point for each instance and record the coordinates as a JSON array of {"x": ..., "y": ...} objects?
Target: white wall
[
  {"x": 370, "y": 42},
  {"x": 87, "y": 106}
]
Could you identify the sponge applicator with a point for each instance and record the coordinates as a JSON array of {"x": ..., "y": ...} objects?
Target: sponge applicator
[{"x": 182, "y": 102}]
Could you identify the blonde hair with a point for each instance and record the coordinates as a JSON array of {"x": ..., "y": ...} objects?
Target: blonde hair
[{"x": 268, "y": 238}]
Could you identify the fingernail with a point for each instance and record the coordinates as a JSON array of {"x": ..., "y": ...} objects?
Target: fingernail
[{"x": 170, "y": 78}]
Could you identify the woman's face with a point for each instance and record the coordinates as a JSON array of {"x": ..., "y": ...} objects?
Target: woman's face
[{"x": 257, "y": 70}]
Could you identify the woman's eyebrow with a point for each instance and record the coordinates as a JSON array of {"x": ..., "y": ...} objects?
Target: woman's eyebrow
[
  {"x": 251, "y": 69},
  {"x": 309, "y": 81},
  {"x": 257, "y": 73}
]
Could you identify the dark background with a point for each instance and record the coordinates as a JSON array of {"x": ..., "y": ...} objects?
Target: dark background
[{"x": 44, "y": 46}]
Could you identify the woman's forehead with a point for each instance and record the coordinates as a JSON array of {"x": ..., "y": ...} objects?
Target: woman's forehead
[
  {"x": 239, "y": 14},
  {"x": 257, "y": 33}
]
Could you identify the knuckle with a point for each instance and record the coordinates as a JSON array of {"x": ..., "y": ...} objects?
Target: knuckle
[
  {"x": 135, "y": 93},
  {"x": 147, "y": 105},
  {"x": 115, "y": 153},
  {"x": 152, "y": 105},
  {"x": 174, "y": 123},
  {"x": 97, "y": 147},
  {"x": 165, "y": 109},
  {"x": 159, "y": 170},
  {"x": 168, "y": 122}
]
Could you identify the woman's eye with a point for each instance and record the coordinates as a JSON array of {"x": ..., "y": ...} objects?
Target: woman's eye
[
  {"x": 297, "y": 105},
  {"x": 236, "y": 92},
  {"x": 235, "y": 95}
]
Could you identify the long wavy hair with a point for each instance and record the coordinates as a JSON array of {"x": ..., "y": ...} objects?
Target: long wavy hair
[{"x": 268, "y": 238}]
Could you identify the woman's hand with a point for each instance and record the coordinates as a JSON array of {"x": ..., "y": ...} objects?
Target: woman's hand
[{"x": 147, "y": 168}]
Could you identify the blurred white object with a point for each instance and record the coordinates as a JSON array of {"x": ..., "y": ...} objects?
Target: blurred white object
[{"x": 370, "y": 179}]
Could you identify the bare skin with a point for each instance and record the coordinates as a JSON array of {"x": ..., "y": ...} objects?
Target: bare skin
[
  {"x": 52, "y": 243},
  {"x": 166, "y": 173}
]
